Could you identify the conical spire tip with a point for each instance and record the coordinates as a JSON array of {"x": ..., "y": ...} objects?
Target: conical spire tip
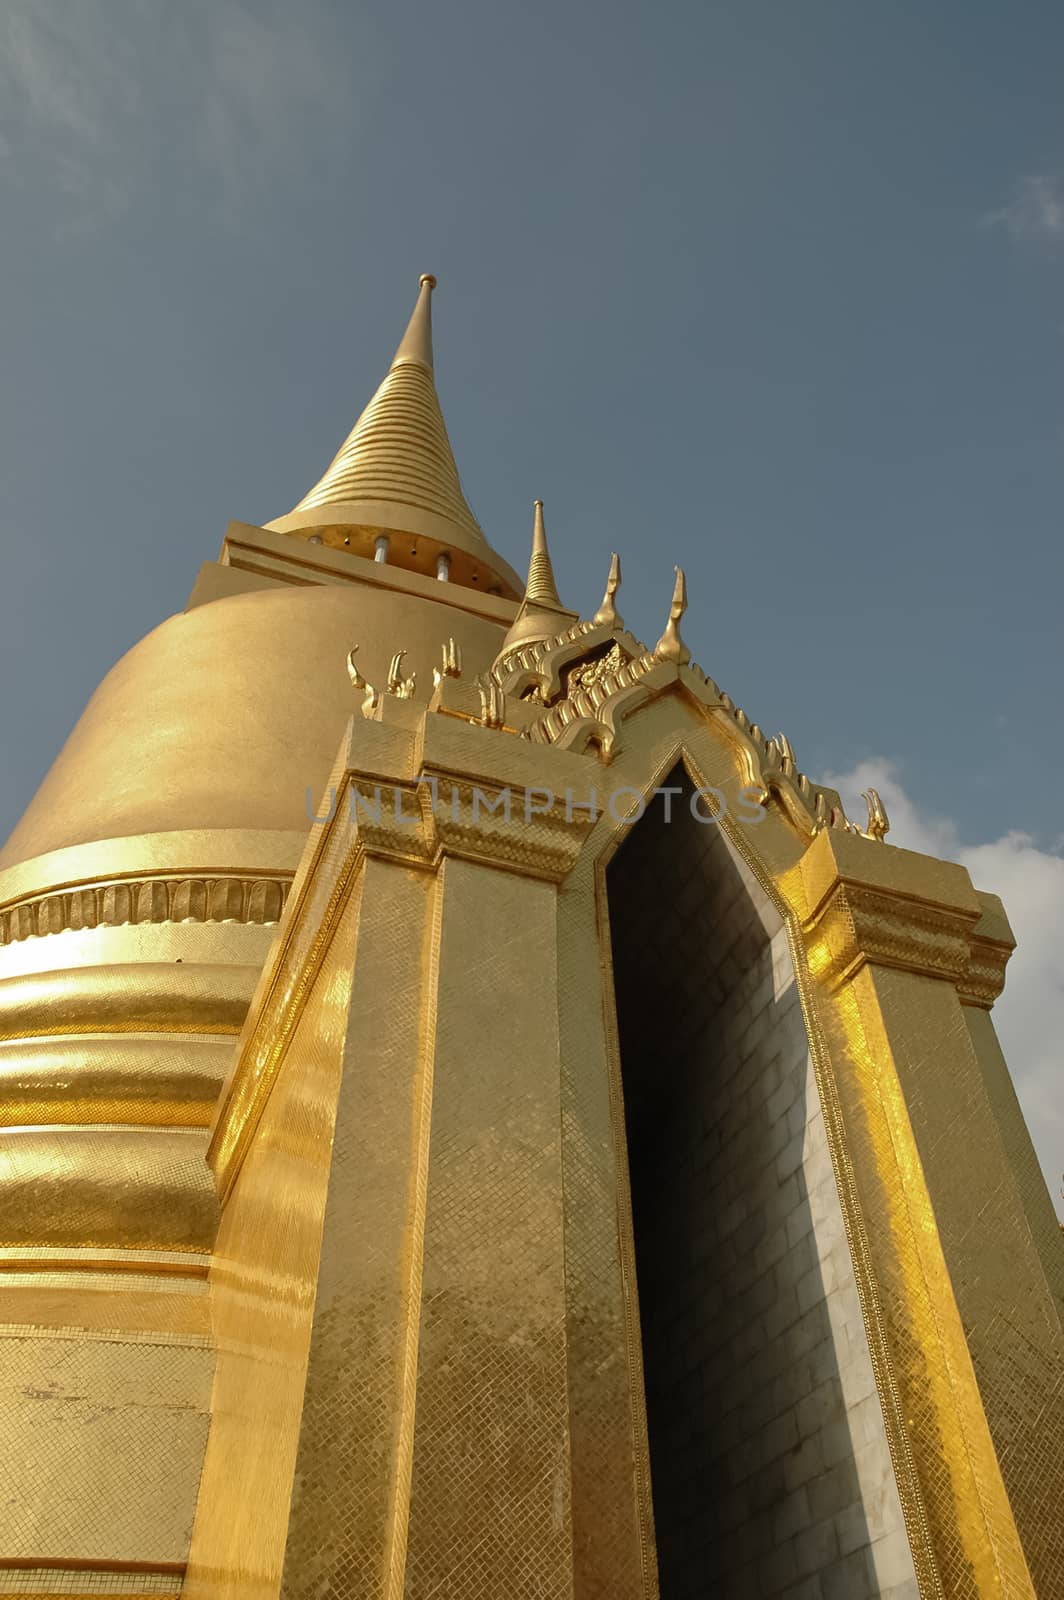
[
  {"x": 416, "y": 343},
  {"x": 541, "y": 586}
]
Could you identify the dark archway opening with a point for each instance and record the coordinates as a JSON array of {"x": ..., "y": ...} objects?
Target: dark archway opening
[{"x": 754, "y": 1485}]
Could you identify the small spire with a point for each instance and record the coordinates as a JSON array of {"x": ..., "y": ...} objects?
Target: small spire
[
  {"x": 541, "y": 614},
  {"x": 416, "y": 343},
  {"x": 670, "y": 647},
  {"x": 607, "y": 612},
  {"x": 541, "y": 588}
]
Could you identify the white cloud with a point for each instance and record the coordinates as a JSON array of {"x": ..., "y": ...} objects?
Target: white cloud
[
  {"x": 1030, "y": 880},
  {"x": 1036, "y": 210}
]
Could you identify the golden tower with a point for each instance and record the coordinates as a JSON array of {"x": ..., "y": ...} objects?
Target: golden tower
[{"x": 480, "y": 1122}]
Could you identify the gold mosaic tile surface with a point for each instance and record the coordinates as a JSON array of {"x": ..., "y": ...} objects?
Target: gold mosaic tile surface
[
  {"x": 1009, "y": 1316},
  {"x": 120, "y": 1422},
  {"x": 489, "y": 1504},
  {"x": 263, "y": 1288},
  {"x": 348, "y": 1525},
  {"x": 613, "y": 1532},
  {"x": 71, "y": 1582}
]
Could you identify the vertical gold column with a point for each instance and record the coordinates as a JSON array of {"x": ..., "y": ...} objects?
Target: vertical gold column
[
  {"x": 613, "y": 1533},
  {"x": 489, "y": 1512},
  {"x": 1032, "y": 1196},
  {"x": 426, "y": 1448},
  {"x": 1009, "y": 1315},
  {"x": 347, "y": 1526},
  {"x": 961, "y": 1525},
  {"x": 940, "y": 1239},
  {"x": 263, "y": 1276},
  {"x": 991, "y": 946}
]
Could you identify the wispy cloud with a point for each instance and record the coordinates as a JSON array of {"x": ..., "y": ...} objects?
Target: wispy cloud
[
  {"x": 1036, "y": 210},
  {"x": 95, "y": 96},
  {"x": 1030, "y": 880},
  {"x": 67, "y": 91},
  {"x": 265, "y": 74}
]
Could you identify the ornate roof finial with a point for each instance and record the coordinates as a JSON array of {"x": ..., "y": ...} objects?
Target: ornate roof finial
[
  {"x": 416, "y": 343},
  {"x": 402, "y": 688},
  {"x": 451, "y": 665},
  {"x": 607, "y": 612},
  {"x": 541, "y": 588},
  {"x": 370, "y": 695},
  {"x": 670, "y": 647},
  {"x": 541, "y": 614},
  {"x": 878, "y": 821}
]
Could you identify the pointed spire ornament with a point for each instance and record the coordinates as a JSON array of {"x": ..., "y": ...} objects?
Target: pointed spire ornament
[
  {"x": 541, "y": 588},
  {"x": 541, "y": 615},
  {"x": 670, "y": 647},
  {"x": 416, "y": 343},
  {"x": 607, "y": 614}
]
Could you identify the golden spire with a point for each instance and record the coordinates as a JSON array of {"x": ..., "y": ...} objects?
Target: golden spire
[
  {"x": 395, "y": 474},
  {"x": 541, "y": 614},
  {"x": 416, "y": 343},
  {"x": 541, "y": 587}
]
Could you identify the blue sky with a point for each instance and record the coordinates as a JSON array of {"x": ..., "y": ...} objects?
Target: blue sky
[{"x": 772, "y": 290}]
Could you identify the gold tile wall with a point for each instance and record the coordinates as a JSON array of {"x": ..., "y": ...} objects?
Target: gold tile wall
[
  {"x": 1010, "y": 1319},
  {"x": 489, "y": 1498},
  {"x": 263, "y": 1285},
  {"x": 119, "y": 1420},
  {"x": 348, "y": 1525}
]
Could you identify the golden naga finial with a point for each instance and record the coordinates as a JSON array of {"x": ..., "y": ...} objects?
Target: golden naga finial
[
  {"x": 788, "y": 765},
  {"x": 607, "y": 613},
  {"x": 492, "y": 702},
  {"x": 670, "y": 647},
  {"x": 878, "y": 821},
  {"x": 451, "y": 666},
  {"x": 402, "y": 688},
  {"x": 371, "y": 696}
]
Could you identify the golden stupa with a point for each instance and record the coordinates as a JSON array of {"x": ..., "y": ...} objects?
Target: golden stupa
[{"x": 481, "y": 1124}]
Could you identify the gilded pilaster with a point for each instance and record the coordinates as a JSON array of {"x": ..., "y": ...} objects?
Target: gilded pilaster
[
  {"x": 613, "y": 1524},
  {"x": 490, "y": 1499},
  {"x": 272, "y": 1157},
  {"x": 894, "y": 941}
]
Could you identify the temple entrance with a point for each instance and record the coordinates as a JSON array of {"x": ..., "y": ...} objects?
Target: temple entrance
[{"x": 738, "y": 1237}]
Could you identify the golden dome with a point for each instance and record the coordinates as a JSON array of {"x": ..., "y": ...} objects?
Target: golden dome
[{"x": 225, "y": 715}]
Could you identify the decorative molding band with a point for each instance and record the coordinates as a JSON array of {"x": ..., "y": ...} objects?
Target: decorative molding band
[
  {"x": 985, "y": 976},
  {"x": 146, "y": 1263},
  {"x": 144, "y": 997},
  {"x": 221, "y": 898},
  {"x": 858, "y": 924},
  {"x": 78, "y": 1578}
]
